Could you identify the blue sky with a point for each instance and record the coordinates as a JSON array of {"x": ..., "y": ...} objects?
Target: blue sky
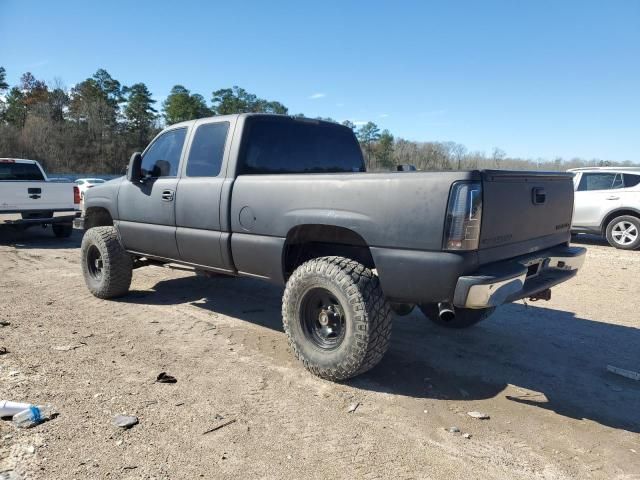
[{"x": 536, "y": 78}]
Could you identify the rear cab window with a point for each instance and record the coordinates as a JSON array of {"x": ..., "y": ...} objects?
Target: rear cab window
[
  {"x": 17, "y": 171},
  {"x": 274, "y": 145}
]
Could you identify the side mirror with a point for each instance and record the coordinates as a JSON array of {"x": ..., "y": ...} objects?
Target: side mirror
[
  {"x": 405, "y": 167},
  {"x": 134, "y": 172}
]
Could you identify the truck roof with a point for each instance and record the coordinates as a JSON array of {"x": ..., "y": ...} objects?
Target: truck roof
[
  {"x": 16, "y": 160},
  {"x": 605, "y": 169},
  {"x": 236, "y": 115}
]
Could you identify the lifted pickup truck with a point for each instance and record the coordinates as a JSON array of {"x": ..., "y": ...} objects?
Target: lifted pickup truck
[
  {"x": 28, "y": 198},
  {"x": 288, "y": 200}
]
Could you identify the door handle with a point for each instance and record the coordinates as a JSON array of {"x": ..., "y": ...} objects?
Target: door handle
[
  {"x": 167, "y": 195},
  {"x": 613, "y": 197}
]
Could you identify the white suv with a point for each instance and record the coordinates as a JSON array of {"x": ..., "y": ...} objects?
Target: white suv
[{"x": 607, "y": 202}]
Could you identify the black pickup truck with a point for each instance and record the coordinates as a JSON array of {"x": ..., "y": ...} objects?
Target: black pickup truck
[{"x": 288, "y": 200}]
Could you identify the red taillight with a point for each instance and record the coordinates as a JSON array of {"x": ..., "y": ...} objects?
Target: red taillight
[
  {"x": 76, "y": 195},
  {"x": 464, "y": 216}
]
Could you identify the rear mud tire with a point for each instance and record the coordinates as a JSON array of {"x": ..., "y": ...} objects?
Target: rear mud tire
[{"x": 360, "y": 328}]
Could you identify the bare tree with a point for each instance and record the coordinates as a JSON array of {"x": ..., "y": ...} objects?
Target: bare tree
[
  {"x": 497, "y": 156},
  {"x": 458, "y": 153}
]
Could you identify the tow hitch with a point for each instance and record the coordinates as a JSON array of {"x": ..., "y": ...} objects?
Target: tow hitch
[{"x": 543, "y": 295}]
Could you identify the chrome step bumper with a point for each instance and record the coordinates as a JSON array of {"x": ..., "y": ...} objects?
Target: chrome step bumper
[{"x": 521, "y": 277}]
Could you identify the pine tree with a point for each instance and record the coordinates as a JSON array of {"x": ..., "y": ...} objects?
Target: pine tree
[
  {"x": 139, "y": 112},
  {"x": 368, "y": 134},
  {"x": 3, "y": 84},
  {"x": 385, "y": 149},
  {"x": 15, "y": 112},
  {"x": 181, "y": 105},
  {"x": 3, "y": 87},
  {"x": 237, "y": 100}
]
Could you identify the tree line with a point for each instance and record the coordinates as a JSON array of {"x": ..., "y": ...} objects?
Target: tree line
[{"x": 94, "y": 126}]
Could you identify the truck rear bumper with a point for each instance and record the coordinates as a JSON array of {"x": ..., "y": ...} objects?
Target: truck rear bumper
[
  {"x": 24, "y": 218},
  {"x": 518, "y": 278}
]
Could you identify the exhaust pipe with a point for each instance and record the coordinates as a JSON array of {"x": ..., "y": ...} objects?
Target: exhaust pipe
[{"x": 446, "y": 312}]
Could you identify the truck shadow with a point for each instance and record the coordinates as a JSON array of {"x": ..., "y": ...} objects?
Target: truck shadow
[
  {"x": 560, "y": 359},
  {"x": 589, "y": 239},
  {"x": 38, "y": 237}
]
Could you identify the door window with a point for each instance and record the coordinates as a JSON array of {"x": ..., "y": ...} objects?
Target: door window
[
  {"x": 207, "y": 149},
  {"x": 163, "y": 156},
  {"x": 600, "y": 181}
]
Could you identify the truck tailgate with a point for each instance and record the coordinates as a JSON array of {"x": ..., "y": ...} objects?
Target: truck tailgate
[
  {"x": 19, "y": 196},
  {"x": 520, "y": 207}
]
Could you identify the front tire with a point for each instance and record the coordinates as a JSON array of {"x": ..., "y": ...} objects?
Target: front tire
[
  {"x": 62, "y": 230},
  {"x": 462, "y": 317},
  {"x": 106, "y": 265},
  {"x": 336, "y": 317},
  {"x": 624, "y": 232}
]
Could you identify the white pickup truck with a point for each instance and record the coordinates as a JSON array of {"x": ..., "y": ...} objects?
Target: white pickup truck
[{"x": 28, "y": 198}]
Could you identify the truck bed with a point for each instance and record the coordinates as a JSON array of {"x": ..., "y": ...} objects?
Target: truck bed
[
  {"x": 400, "y": 216},
  {"x": 410, "y": 206}
]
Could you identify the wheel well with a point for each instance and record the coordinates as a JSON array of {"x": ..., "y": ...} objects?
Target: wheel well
[
  {"x": 97, "y": 217},
  {"x": 618, "y": 213},
  {"x": 305, "y": 242}
]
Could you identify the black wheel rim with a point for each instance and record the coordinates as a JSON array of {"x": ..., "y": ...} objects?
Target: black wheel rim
[
  {"x": 323, "y": 319},
  {"x": 94, "y": 262}
]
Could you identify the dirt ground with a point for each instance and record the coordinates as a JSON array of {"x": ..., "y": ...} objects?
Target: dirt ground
[{"x": 538, "y": 370}]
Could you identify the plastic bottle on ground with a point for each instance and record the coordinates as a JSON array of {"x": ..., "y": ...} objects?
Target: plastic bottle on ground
[{"x": 33, "y": 416}]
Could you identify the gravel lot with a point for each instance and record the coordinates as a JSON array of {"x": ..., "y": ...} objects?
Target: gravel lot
[{"x": 539, "y": 371}]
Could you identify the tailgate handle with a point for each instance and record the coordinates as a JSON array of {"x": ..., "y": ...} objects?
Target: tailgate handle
[
  {"x": 539, "y": 196},
  {"x": 31, "y": 191}
]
